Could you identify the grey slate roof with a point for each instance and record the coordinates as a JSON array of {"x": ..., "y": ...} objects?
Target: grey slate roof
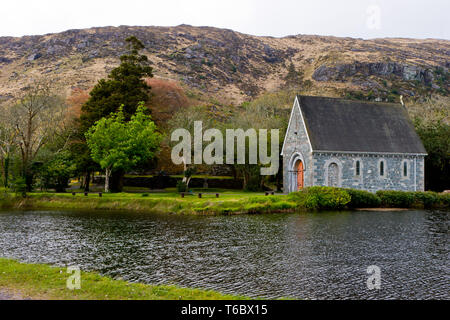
[{"x": 358, "y": 126}]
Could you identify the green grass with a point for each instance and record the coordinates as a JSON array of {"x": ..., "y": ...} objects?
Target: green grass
[
  {"x": 40, "y": 281},
  {"x": 229, "y": 202}
]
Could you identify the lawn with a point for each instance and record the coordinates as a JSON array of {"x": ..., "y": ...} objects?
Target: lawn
[
  {"x": 228, "y": 202},
  {"x": 40, "y": 281}
]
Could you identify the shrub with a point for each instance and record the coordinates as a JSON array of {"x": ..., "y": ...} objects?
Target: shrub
[
  {"x": 144, "y": 194},
  {"x": 254, "y": 184},
  {"x": 322, "y": 198},
  {"x": 181, "y": 186},
  {"x": 362, "y": 199},
  {"x": 427, "y": 199},
  {"x": 396, "y": 199},
  {"x": 444, "y": 200},
  {"x": 19, "y": 186},
  {"x": 6, "y": 200}
]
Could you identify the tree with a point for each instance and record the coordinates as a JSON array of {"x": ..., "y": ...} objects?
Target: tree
[
  {"x": 8, "y": 140},
  {"x": 36, "y": 118},
  {"x": 432, "y": 122},
  {"x": 185, "y": 118},
  {"x": 56, "y": 172},
  {"x": 116, "y": 144},
  {"x": 258, "y": 114},
  {"x": 294, "y": 78},
  {"x": 125, "y": 87},
  {"x": 435, "y": 136}
]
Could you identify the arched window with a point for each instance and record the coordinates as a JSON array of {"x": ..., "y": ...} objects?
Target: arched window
[
  {"x": 333, "y": 175},
  {"x": 405, "y": 168},
  {"x": 357, "y": 168},
  {"x": 382, "y": 168}
]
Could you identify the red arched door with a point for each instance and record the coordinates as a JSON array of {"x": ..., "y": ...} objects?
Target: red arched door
[{"x": 299, "y": 174}]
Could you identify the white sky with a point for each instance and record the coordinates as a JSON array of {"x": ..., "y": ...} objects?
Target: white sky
[{"x": 351, "y": 18}]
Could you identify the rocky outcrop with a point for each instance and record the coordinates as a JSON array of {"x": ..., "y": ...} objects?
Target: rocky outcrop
[{"x": 342, "y": 72}]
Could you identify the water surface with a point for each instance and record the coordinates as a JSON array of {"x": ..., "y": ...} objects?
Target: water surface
[{"x": 313, "y": 256}]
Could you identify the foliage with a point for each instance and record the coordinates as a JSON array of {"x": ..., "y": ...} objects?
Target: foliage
[
  {"x": 262, "y": 113},
  {"x": 19, "y": 186},
  {"x": 444, "y": 200},
  {"x": 322, "y": 198},
  {"x": 184, "y": 118},
  {"x": 182, "y": 186},
  {"x": 29, "y": 124},
  {"x": 294, "y": 78},
  {"x": 396, "y": 199},
  {"x": 124, "y": 86},
  {"x": 116, "y": 144},
  {"x": 427, "y": 199},
  {"x": 56, "y": 172},
  {"x": 435, "y": 136},
  {"x": 362, "y": 199},
  {"x": 431, "y": 110},
  {"x": 252, "y": 176}
]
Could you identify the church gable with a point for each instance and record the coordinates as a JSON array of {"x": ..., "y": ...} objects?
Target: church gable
[{"x": 296, "y": 133}]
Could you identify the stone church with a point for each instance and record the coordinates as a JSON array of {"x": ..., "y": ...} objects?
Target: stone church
[{"x": 351, "y": 144}]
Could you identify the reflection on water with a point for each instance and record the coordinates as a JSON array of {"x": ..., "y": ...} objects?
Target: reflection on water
[{"x": 315, "y": 256}]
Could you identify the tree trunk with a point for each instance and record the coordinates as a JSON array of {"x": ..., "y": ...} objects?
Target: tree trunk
[
  {"x": 245, "y": 179},
  {"x": 6, "y": 171},
  {"x": 86, "y": 181},
  {"x": 28, "y": 176},
  {"x": 107, "y": 174},
  {"x": 116, "y": 181}
]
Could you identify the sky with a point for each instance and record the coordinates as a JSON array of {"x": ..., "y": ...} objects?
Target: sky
[{"x": 344, "y": 18}]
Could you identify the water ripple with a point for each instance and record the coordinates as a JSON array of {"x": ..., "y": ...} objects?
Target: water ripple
[{"x": 314, "y": 256}]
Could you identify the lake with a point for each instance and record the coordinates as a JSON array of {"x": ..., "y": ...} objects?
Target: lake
[{"x": 306, "y": 255}]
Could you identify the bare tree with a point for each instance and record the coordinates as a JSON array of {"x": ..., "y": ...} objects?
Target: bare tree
[
  {"x": 8, "y": 140},
  {"x": 36, "y": 117},
  {"x": 184, "y": 119}
]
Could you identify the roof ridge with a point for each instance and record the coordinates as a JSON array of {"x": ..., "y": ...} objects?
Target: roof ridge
[{"x": 393, "y": 104}]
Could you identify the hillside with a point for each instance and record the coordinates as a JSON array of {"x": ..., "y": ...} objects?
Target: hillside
[{"x": 231, "y": 67}]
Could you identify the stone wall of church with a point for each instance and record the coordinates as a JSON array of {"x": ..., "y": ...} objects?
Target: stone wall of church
[
  {"x": 296, "y": 143},
  {"x": 394, "y": 175}
]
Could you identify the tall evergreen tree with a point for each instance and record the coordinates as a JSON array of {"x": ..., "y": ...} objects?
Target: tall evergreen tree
[{"x": 125, "y": 86}]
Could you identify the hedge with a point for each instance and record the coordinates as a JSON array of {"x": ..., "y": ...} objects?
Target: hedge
[
  {"x": 322, "y": 198},
  {"x": 363, "y": 199},
  {"x": 396, "y": 199},
  {"x": 329, "y": 198}
]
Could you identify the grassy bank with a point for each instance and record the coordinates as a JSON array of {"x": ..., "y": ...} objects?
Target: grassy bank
[
  {"x": 227, "y": 203},
  {"x": 314, "y": 198},
  {"x": 39, "y": 281}
]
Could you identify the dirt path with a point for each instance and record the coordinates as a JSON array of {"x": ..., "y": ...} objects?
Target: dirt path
[{"x": 8, "y": 295}]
